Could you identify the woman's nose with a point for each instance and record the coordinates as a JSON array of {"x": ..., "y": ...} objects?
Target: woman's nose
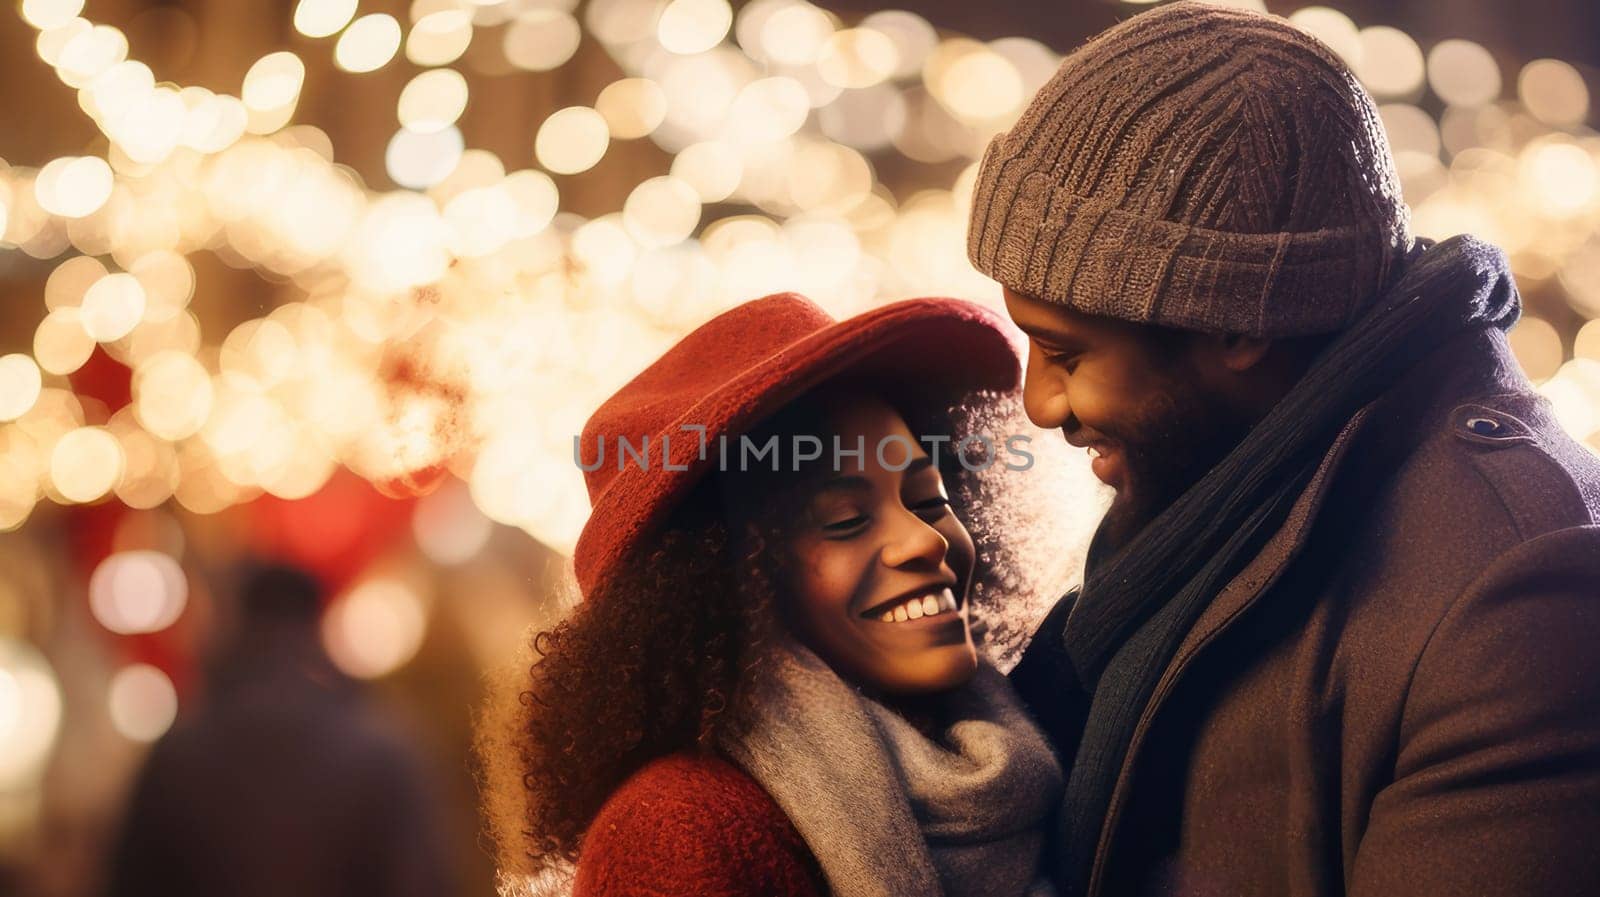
[{"x": 914, "y": 540}]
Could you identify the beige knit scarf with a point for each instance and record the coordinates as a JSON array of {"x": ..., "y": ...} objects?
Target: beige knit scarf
[{"x": 890, "y": 812}]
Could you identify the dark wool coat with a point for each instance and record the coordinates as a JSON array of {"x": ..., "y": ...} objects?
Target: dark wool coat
[
  {"x": 691, "y": 825},
  {"x": 1400, "y": 695}
]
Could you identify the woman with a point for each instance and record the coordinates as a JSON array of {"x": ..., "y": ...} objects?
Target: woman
[{"x": 771, "y": 685}]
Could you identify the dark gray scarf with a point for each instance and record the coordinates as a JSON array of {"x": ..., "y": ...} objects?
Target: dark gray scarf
[{"x": 1137, "y": 606}]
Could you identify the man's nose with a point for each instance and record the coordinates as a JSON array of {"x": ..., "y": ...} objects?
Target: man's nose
[{"x": 1044, "y": 397}]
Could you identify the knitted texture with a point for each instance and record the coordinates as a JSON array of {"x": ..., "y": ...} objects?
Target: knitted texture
[
  {"x": 740, "y": 367},
  {"x": 1198, "y": 167},
  {"x": 693, "y": 826}
]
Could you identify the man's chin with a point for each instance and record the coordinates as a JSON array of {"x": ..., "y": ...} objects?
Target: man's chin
[{"x": 1123, "y": 522}]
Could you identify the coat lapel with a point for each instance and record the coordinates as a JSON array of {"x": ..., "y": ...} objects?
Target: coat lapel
[{"x": 1237, "y": 596}]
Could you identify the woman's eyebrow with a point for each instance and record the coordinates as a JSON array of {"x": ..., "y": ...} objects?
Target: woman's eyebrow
[
  {"x": 848, "y": 483},
  {"x": 858, "y": 483}
]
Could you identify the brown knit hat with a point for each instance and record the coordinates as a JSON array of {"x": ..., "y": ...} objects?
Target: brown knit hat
[{"x": 1198, "y": 167}]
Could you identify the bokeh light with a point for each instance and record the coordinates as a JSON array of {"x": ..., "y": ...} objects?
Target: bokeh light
[
  {"x": 368, "y": 44},
  {"x": 138, "y": 591},
  {"x": 142, "y": 702},
  {"x": 322, "y": 18},
  {"x": 30, "y": 714},
  {"x": 786, "y": 146},
  {"x": 20, "y": 382},
  {"x": 1554, "y": 92},
  {"x": 432, "y": 101},
  {"x": 572, "y": 140},
  {"x": 542, "y": 39},
  {"x": 376, "y": 628}
]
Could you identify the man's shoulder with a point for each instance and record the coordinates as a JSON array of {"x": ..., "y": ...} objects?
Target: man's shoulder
[{"x": 1502, "y": 465}]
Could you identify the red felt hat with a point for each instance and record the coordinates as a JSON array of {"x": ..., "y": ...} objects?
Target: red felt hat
[{"x": 747, "y": 363}]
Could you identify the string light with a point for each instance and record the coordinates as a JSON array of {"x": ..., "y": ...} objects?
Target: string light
[{"x": 504, "y": 301}]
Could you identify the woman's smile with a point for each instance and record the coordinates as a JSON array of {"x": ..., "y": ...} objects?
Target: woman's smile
[{"x": 924, "y": 603}]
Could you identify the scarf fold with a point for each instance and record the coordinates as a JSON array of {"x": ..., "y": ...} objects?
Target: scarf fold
[
  {"x": 890, "y": 812},
  {"x": 1137, "y": 606}
]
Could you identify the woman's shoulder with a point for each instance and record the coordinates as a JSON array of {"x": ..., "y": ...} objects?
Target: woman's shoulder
[{"x": 693, "y": 824}]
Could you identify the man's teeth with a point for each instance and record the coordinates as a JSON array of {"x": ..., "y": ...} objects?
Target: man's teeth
[
  {"x": 1094, "y": 452},
  {"x": 929, "y": 605}
]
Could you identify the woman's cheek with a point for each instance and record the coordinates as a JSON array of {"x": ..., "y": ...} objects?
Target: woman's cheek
[{"x": 829, "y": 573}]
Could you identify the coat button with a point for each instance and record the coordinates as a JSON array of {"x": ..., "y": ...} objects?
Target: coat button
[{"x": 1485, "y": 426}]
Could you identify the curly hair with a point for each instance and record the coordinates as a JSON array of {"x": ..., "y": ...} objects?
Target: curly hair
[
  {"x": 661, "y": 655},
  {"x": 651, "y": 662}
]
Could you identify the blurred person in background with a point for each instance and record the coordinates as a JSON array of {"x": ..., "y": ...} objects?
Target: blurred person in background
[
  {"x": 286, "y": 780},
  {"x": 1338, "y": 629}
]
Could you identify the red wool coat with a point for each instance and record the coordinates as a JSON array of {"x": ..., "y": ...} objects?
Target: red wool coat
[{"x": 694, "y": 826}]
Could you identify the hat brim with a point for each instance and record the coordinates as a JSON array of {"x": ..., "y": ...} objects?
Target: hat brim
[{"x": 943, "y": 348}]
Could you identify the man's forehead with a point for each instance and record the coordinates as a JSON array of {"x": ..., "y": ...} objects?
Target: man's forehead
[{"x": 1038, "y": 316}]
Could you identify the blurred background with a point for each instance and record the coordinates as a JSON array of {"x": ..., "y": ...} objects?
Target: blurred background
[{"x": 334, "y": 284}]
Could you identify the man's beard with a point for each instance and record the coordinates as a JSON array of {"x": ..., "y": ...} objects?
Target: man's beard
[{"x": 1172, "y": 445}]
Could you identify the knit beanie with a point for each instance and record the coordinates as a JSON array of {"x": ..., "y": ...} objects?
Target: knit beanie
[{"x": 1198, "y": 167}]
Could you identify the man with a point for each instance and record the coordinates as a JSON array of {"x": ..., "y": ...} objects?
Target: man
[
  {"x": 287, "y": 779},
  {"x": 1340, "y": 629}
]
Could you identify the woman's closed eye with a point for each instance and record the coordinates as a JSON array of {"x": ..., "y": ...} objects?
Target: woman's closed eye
[{"x": 930, "y": 508}]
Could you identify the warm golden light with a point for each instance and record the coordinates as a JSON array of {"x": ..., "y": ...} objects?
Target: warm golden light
[
  {"x": 694, "y": 26},
  {"x": 172, "y": 395},
  {"x": 662, "y": 211},
  {"x": 542, "y": 39},
  {"x": 1391, "y": 62},
  {"x": 572, "y": 140},
  {"x": 20, "y": 382},
  {"x": 138, "y": 591},
  {"x": 85, "y": 464},
  {"x": 73, "y": 186},
  {"x": 321, "y": 18},
  {"x": 1335, "y": 29},
  {"x": 368, "y": 44},
  {"x": 47, "y": 14},
  {"x": 419, "y": 160},
  {"x": 1554, "y": 92},
  {"x": 858, "y": 57},
  {"x": 1537, "y": 346},
  {"x": 432, "y": 101},
  {"x": 1463, "y": 73},
  {"x": 142, "y": 702},
  {"x": 273, "y": 81},
  {"x": 112, "y": 306},
  {"x": 376, "y": 628},
  {"x": 60, "y": 344},
  {"x": 439, "y": 38},
  {"x": 632, "y": 107},
  {"x": 712, "y": 168}
]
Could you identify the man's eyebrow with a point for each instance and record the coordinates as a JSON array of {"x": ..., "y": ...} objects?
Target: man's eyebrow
[
  {"x": 919, "y": 464},
  {"x": 1049, "y": 333}
]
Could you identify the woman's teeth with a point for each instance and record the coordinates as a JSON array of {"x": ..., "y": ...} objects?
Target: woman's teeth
[{"x": 930, "y": 605}]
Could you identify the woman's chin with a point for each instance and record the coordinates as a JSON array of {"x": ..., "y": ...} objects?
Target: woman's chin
[{"x": 930, "y": 671}]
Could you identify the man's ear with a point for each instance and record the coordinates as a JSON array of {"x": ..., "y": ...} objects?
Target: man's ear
[{"x": 1238, "y": 353}]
